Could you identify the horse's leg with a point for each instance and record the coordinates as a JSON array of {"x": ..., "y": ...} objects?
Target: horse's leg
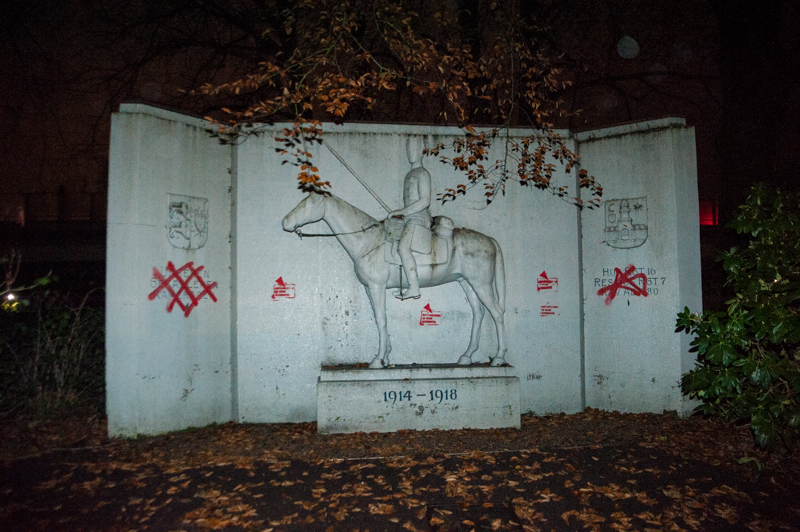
[
  {"x": 486, "y": 294},
  {"x": 377, "y": 296},
  {"x": 477, "y": 318}
]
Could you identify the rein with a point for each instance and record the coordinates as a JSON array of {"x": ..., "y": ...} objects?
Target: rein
[{"x": 301, "y": 234}]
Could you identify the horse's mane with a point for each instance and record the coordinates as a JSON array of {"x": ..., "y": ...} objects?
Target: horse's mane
[{"x": 364, "y": 219}]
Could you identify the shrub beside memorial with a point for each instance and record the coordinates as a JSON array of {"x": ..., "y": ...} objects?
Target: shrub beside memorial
[
  {"x": 51, "y": 353},
  {"x": 748, "y": 367}
]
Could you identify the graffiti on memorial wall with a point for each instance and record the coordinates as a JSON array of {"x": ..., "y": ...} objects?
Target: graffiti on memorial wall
[
  {"x": 185, "y": 286},
  {"x": 548, "y": 310},
  {"x": 626, "y": 222},
  {"x": 282, "y": 290},
  {"x": 549, "y": 285},
  {"x": 626, "y": 282},
  {"x": 187, "y": 221},
  {"x": 543, "y": 282},
  {"x": 655, "y": 283},
  {"x": 429, "y": 316}
]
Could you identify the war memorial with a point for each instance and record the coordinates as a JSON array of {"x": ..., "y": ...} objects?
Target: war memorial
[{"x": 394, "y": 311}]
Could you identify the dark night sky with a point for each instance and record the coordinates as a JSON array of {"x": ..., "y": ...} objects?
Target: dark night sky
[{"x": 729, "y": 67}]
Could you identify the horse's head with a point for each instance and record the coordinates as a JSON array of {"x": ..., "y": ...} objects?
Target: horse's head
[{"x": 311, "y": 209}]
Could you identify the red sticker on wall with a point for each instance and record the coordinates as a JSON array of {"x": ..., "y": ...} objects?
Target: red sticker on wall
[
  {"x": 548, "y": 310},
  {"x": 282, "y": 290},
  {"x": 546, "y": 283},
  {"x": 429, "y": 317}
]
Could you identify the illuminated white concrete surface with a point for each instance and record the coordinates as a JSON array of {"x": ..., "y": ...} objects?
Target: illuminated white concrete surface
[{"x": 287, "y": 307}]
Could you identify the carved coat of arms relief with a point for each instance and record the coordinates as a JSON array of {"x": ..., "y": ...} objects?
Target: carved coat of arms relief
[
  {"x": 187, "y": 221},
  {"x": 626, "y": 222}
]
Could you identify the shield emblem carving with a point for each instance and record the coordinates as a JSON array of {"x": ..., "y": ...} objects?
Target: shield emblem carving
[
  {"x": 626, "y": 222},
  {"x": 187, "y": 221}
]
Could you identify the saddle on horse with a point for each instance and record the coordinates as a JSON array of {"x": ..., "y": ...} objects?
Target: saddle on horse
[{"x": 429, "y": 246}]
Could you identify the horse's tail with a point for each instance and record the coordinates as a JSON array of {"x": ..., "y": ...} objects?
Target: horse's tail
[{"x": 499, "y": 275}]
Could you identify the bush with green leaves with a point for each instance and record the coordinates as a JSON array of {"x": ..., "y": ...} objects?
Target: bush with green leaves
[
  {"x": 51, "y": 352},
  {"x": 748, "y": 366}
]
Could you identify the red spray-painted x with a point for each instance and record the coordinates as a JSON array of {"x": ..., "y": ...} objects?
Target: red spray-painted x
[{"x": 624, "y": 281}]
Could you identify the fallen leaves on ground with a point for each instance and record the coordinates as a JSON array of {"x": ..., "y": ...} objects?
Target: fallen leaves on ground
[{"x": 589, "y": 471}]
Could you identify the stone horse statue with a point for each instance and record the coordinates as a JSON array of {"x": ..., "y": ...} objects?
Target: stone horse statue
[{"x": 475, "y": 261}]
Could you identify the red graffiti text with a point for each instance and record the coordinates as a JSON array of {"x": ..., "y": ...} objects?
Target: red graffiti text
[
  {"x": 282, "y": 290},
  {"x": 625, "y": 281},
  {"x": 429, "y": 317},
  {"x": 546, "y": 283},
  {"x": 548, "y": 310},
  {"x": 184, "y": 297}
]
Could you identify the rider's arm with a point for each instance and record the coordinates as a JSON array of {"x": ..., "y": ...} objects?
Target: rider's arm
[{"x": 424, "y": 201}]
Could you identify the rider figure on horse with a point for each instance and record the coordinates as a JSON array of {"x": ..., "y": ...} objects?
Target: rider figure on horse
[{"x": 415, "y": 213}]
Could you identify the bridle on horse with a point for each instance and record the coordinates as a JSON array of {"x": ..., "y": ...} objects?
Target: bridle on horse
[{"x": 301, "y": 234}]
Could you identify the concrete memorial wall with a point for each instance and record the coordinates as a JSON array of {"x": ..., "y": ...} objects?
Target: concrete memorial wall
[
  {"x": 168, "y": 319},
  {"x": 216, "y": 313},
  {"x": 641, "y": 256}
]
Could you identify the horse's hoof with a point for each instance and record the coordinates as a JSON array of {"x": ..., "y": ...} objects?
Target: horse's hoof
[
  {"x": 377, "y": 363},
  {"x": 498, "y": 361},
  {"x": 465, "y": 360}
]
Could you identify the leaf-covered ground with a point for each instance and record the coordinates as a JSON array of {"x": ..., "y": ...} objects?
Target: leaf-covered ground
[{"x": 589, "y": 471}]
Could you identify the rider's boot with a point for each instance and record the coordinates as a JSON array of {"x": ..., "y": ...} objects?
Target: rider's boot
[
  {"x": 409, "y": 266},
  {"x": 412, "y": 292}
]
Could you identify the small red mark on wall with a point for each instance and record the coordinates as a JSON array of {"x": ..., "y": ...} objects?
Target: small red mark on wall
[
  {"x": 625, "y": 281},
  {"x": 282, "y": 290},
  {"x": 429, "y": 317},
  {"x": 546, "y": 283},
  {"x": 184, "y": 297},
  {"x": 548, "y": 310}
]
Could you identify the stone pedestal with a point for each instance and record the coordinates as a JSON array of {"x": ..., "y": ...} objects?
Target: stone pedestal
[{"x": 417, "y": 397}]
